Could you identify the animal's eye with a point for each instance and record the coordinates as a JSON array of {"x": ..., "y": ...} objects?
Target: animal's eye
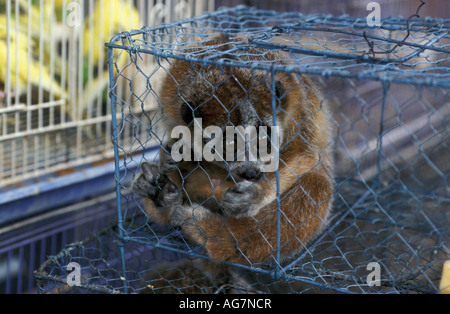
[
  {"x": 189, "y": 112},
  {"x": 279, "y": 89}
]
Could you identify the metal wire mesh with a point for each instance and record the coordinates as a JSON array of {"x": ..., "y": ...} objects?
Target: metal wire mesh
[{"x": 389, "y": 113}]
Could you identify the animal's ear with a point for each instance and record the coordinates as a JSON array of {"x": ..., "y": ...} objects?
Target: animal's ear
[{"x": 189, "y": 112}]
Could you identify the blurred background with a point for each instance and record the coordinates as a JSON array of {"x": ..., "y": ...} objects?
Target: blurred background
[
  {"x": 405, "y": 8},
  {"x": 56, "y": 155}
]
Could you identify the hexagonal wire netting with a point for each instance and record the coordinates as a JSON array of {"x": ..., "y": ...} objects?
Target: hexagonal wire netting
[{"x": 387, "y": 92}]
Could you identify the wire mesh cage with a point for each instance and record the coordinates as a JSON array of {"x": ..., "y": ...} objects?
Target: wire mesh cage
[{"x": 381, "y": 91}]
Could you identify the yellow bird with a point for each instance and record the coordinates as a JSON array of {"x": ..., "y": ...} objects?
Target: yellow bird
[
  {"x": 22, "y": 60},
  {"x": 108, "y": 18},
  {"x": 56, "y": 9}
]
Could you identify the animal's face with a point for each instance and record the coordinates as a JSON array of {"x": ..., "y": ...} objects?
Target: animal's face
[{"x": 236, "y": 102}]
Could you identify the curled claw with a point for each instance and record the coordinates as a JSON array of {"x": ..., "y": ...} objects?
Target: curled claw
[
  {"x": 146, "y": 184},
  {"x": 169, "y": 196},
  {"x": 239, "y": 200},
  {"x": 152, "y": 184}
]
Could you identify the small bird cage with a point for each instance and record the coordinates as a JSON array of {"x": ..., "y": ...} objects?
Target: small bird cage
[
  {"x": 387, "y": 88},
  {"x": 55, "y": 111}
]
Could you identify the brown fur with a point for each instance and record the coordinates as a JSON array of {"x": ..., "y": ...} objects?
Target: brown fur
[
  {"x": 305, "y": 166},
  {"x": 189, "y": 277}
]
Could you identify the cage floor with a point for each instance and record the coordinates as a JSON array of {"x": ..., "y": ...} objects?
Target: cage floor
[{"x": 405, "y": 232}]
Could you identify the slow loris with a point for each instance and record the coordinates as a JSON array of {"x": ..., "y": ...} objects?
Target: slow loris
[{"x": 230, "y": 206}]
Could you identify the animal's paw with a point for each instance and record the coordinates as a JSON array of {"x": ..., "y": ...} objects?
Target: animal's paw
[
  {"x": 147, "y": 183},
  {"x": 156, "y": 186},
  {"x": 169, "y": 195},
  {"x": 241, "y": 200},
  {"x": 179, "y": 215}
]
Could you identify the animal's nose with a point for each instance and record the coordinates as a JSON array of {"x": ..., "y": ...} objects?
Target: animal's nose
[{"x": 249, "y": 171}]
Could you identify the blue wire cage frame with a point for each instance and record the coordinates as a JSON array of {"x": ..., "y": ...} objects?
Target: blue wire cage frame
[{"x": 388, "y": 91}]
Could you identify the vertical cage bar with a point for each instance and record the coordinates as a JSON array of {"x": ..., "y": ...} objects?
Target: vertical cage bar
[
  {"x": 168, "y": 9},
  {"x": 116, "y": 161},
  {"x": 8, "y": 59},
  {"x": 41, "y": 62},
  {"x": 20, "y": 271},
  {"x": 52, "y": 56},
  {"x": 199, "y": 7},
  {"x": 29, "y": 53},
  {"x": 16, "y": 84},
  {"x": 277, "y": 175},
  {"x": 16, "y": 115},
  {"x": 79, "y": 114},
  {"x": 14, "y": 163},
  {"x": 100, "y": 61},
  {"x": 8, "y": 271},
  {"x": 31, "y": 261},
  {"x": 64, "y": 55},
  {"x": 17, "y": 39},
  {"x": 90, "y": 62}
]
